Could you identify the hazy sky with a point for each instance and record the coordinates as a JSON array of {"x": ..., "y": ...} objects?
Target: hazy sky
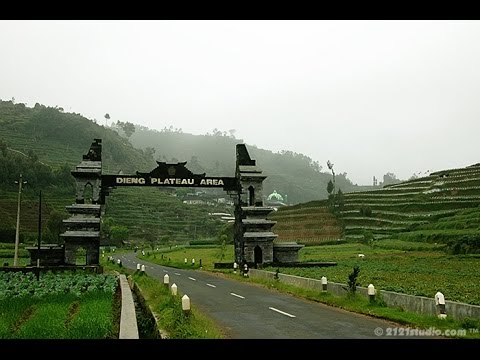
[{"x": 371, "y": 96}]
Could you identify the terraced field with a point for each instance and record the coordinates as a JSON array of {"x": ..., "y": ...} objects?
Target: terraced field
[
  {"x": 312, "y": 225},
  {"x": 151, "y": 212},
  {"x": 411, "y": 208},
  {"x": 439, "y": 207}
]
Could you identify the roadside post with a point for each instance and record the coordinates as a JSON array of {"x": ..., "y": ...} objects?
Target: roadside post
[
  {"x": 440, "y": 303},
  {"x": 324, "y": 284},
  {"x": 371, "y": 293},
  {"x": 174, "y": 289}
]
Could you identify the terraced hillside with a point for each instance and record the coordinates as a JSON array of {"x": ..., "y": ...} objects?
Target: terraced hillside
[
  {"x": 51, "y": 201},
  {"x": 417, "y": 206},
  {"x": 44, "y": 144},
  {"x": 156, "y": 216},
  {"x": 312, "y": 224},
  {"x": 440, "y": 207}
]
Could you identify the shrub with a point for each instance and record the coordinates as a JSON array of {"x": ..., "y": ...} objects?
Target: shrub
[
  {"x": 366, "y": 211},
  {"x": 468, "y": 244},
  {"x": 353, "y": 280}
]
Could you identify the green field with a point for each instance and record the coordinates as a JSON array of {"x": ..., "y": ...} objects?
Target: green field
[
  {"x": 405, "y": 267},
  {"x": 67, "y": 306},
  {"x": 176, "y": 257},
  {"x": 421, "y": 273}
]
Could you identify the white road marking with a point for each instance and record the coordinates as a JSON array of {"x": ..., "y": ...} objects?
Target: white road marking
[
  {"x": 282, "y": 312},
  {"x": 192, "y": 278},
  {"x": 178, "y": 274},
  {"x": 211, "y": 285},
  {"x": 239, "y": 296}
]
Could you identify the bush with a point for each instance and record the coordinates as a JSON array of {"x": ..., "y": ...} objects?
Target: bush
[
  {"x": 368, "y": 238},
  {"x": 468, "y": 244},
  {"x": 353, "y": 280},
  {"x": 366, "y": 211}
]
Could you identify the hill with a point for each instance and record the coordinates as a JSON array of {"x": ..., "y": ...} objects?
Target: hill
[
  {"x": 442, "y": 207},
  {"x": 45, "y": 143},
  {"x": 289, "y": 173}
]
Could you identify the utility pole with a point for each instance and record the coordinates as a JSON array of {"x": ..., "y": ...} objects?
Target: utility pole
[
  {"x": 39, "y": 235},
  {"x": 20, "y": 182}
]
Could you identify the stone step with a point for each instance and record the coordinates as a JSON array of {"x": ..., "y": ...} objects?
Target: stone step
[{"x": 81, "y": 234}]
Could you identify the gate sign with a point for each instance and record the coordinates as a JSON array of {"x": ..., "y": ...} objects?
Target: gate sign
[{"x": 168, "y": 174}]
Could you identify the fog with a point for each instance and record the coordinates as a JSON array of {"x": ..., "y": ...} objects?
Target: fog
[{"x": 370, "y": 96}]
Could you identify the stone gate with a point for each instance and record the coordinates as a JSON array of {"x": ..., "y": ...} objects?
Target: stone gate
[{"x": 253, "y": 235}]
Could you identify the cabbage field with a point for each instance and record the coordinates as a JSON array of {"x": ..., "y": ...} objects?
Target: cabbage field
[{"x": 58, "y": 306}]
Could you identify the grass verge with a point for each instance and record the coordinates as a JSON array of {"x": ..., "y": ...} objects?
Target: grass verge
[{"x": 168, "y": 308}]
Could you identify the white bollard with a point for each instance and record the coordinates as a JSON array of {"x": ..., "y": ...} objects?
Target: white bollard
[
  {"x": 138, "y": 266},
  {"x": 440, "y": 303},
  {"x": 166, "y": 280},
  {"x": 143, "y": 268},
  {"x": 185, "y": 260},
  {"x": 371, "y": 292},
  {"x": 235, "y": 265},
  {"x": 324, "y": 283},
  {"x": 174, "y": 289},
  {"x": 119, "y": 262},
  {"x": 193, "y": 262},
  {"x": 186, "y": 304}
]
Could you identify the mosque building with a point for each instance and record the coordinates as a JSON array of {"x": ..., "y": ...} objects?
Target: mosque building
[{"x": 276, "y": 200}]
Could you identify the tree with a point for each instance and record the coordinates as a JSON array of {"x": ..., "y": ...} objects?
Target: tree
[
  {"x": 119, "y": 232},
  {"x": 55, "y": 224},
  {"x": 330, "y": 166},
  {"x": 106, "y": 228},
  {"x": 150, "y": 151},
  {"x": 368, "y": 238},
  {"x": 32, "y": 155},
  {"x": 330, "y": 186},
  {"x": 390, "y": 178},
  {"x": 340, "y": 199},
  {"x": 127, "y": 127},
  {"x": 352, "y": 280},
  {"x": 331, "y": 196},
  {"x": 107, "y": 117}
]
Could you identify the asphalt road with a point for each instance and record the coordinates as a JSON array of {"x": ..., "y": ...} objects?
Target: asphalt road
[{"x": 248, "y": 311}]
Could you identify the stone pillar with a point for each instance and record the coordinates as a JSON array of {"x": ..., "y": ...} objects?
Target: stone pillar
[{"x": 83, "y": 226}]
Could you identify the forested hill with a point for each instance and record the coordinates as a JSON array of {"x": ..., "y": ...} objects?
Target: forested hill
[
  {"x": 58, "y": 139},
  {"x": 54, "y": 138},
  {"x": 290, "y": 173}
]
